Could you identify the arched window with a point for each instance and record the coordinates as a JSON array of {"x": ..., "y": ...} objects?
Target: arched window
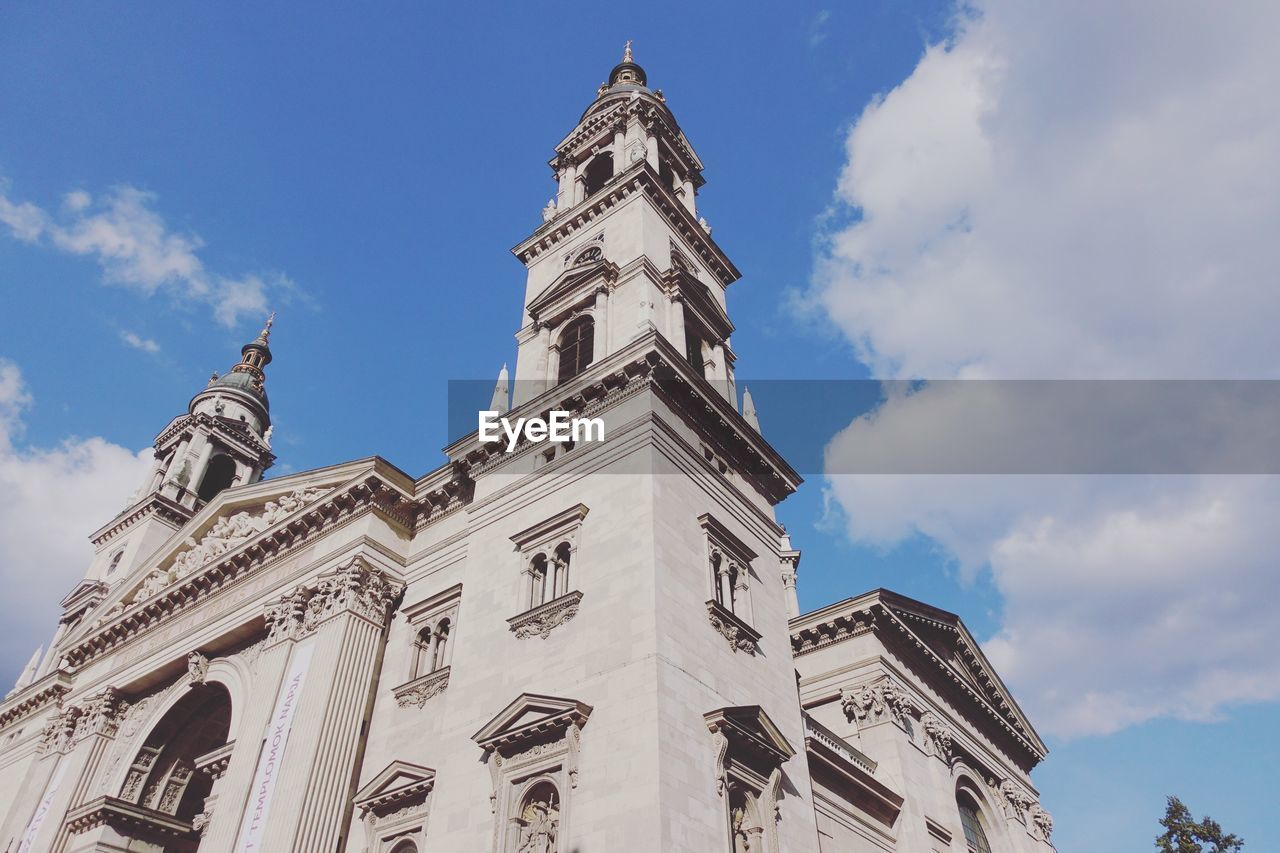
[
  {"x": 220, "y": 474},
  {"x": 422, "y": 657},
  {"x": 561, "y": 582},
  {"x": 597, "y": 173},
  {"x": 577, "y": 345},
  {"x": 971, "y": 821},
  {"x": 405, "y": 846},
  {"x": 115, "y": 561},
  {"x": 726, "y": 575},
  {"x": 589, "y": 255},
  {"x": 163, "y": 776},
  {"x": 441, "y": 658},
  {"x": 538, "y": 577},
  {"x": 539, "y": 820}
]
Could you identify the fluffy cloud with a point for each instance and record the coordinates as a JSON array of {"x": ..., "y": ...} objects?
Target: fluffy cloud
[
  {"x": 51, "y": 499},
  {"x": 135, "y": 248},
  {"x": 1078, "y": 190}
]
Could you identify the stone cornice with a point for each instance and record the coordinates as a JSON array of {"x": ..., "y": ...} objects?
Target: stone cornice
[
  {"x": 415, "y": 693},
  {"x": 640, "y": 178},
  {"x": 120, "y": 813},
  {"x": 35, "y": 696},
  {"x": 648, "y": 363},
  {"x": 169, "y": 511},
  {"x": 240, "y": 439}
]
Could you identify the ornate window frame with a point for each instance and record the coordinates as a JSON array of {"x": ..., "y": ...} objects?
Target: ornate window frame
[
  {"x": 728, "y": 574},
  {"x": 432, "y": 614},
  {"x": 749, "y": 753},
  {"x": 394, "y": 806},
  {"x": 533, "y": 740},
  {"x": 548, "y": 550}
]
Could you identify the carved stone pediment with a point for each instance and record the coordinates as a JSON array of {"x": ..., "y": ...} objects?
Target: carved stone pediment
[
  {"x": 398, "y": 784},
  {"x": 741, "y": 636},
  {"x": 557, "y": 296},
  {"x": 225, "y": 535},
  {"x": 532, "y": 718},
  {"x": 750, "y": 732}
]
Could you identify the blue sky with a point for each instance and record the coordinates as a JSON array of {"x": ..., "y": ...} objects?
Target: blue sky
[{"x": 366, "y": 172}]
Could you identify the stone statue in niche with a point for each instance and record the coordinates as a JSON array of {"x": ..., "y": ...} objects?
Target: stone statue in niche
[{"x": 540, "y": 826}]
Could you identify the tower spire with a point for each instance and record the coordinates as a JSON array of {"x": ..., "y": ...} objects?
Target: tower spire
[{"x": 626, "y": 52}]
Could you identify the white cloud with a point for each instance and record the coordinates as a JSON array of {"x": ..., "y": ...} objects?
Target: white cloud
[
  {"x": 135, "y": 248},
  {"x": 1079, "y": 190},
  {"x": 51, "y": 499},
  {"x": 138, "y": 342}
]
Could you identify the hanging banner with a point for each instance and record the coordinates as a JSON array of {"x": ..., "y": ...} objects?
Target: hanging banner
[
  {"x": 269, "y": 761},
  {"x": 46, "y": 802}
]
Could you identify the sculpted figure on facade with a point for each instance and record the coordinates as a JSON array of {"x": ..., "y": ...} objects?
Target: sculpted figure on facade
[
  {"x": 197, "y": 667},
  {"x": 540, "y": 826},
  {"x": 937, "y": 735}
]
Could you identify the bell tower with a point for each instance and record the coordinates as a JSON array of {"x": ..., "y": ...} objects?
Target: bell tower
[
  {"x": 621, "y": 249},
  {"x": 223, "y": 440}
]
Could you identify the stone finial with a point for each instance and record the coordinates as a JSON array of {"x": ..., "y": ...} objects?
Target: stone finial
[
  {"x": 749, "y": 409},
  {"x": 626, "y": 52},
  {"x": 501, "y": 392}
]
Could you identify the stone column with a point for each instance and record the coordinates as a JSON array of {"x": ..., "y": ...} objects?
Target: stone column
[
  {"x": 676, "y": 312},
  {"x": 651, "y": 147},
  {"x": 568, "y": 181},
  {"x": 544, "y": 356},
  {"x": 202, "y": 465},
  {"x": 97, "y": 720},
  {"x": 619, "y": 146},
  {"x": 687, "y": 196},
  {"x": 267, "y": 665},
  {"x": 347, "y": 612},
  {"x": 600, "y": 339}
]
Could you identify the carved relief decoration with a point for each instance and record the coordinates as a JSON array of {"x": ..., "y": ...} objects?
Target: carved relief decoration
[
  {"x": 227, "y": 534},
  {"x": 873, "y": 702},
  {"x": 415, "y": 694},
  {"x": 545, "y": 618},
  {"x": 197, "y": 667},
  {"x": 355, "y": 588},
  {"x": 741, "y": 636},
  {"x": 937, "y": 735}
]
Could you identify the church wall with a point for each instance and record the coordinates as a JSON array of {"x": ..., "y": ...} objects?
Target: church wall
[
  {"x": 701, "y": 672},
  {"x": 602, "y": 656}
]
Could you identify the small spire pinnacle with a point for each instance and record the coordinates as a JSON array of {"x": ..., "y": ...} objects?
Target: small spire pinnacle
[
  {"x": 749, "y": 409},
  {"x": 265, "y": 334},
  {"x": 626, "y": 52},
  {"x": 501, "y": 392}
]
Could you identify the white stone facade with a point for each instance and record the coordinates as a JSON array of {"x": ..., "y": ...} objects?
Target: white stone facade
[{"x": 554, "y": 650}]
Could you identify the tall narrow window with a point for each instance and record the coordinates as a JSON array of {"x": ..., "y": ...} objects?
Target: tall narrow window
[
  {"x": 577, "y": 344},
  {"x": 441, "y": 656},
  {"x": 115, "y": 561},
  {"x": 538, "y": 592},
  {"x": 975, "y": 836},
  {"x": 693, "y": 352},
  {"x": 597, "y": 173}
]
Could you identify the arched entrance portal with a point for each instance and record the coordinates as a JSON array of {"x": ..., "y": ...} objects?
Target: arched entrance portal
[{"x": 173, "y": 772}]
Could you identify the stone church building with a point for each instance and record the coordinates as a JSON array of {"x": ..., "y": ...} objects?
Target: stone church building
[{"x": 569, "y": 647}]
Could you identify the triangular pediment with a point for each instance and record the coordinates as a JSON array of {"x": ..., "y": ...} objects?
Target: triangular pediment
[
  {"x": 950, "y": 644},
  {"x": 569, "y": 283},
  {"x": 750, "y": 725},
  {"x": 531, "y": 715},
  {"x": 227, "y": 524},
  {"x": 397, "y": 781}
]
